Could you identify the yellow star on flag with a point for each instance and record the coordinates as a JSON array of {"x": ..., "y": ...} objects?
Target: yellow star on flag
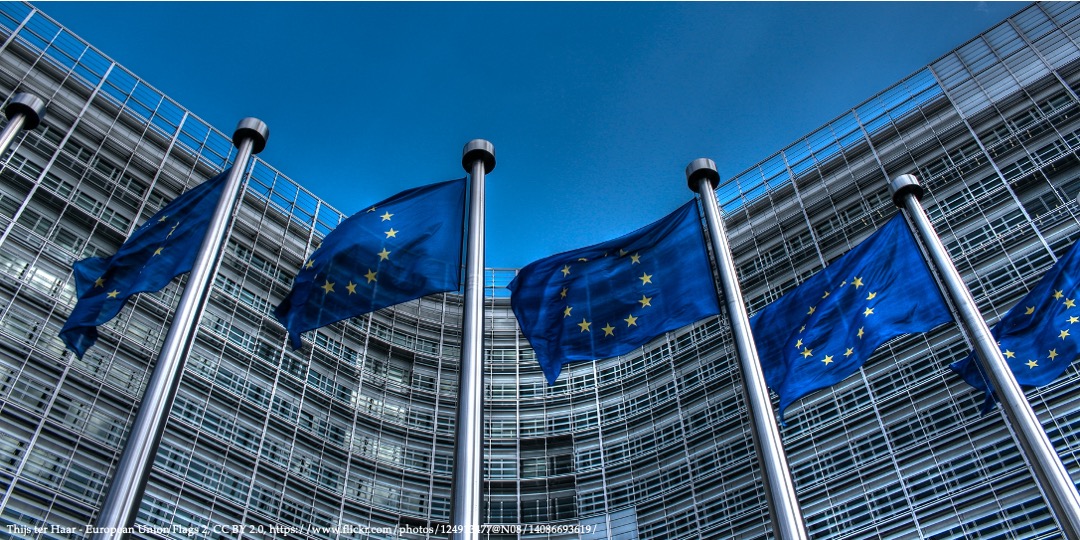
[
  {"x": 1032, "y": 364},
  {"x": 812, "y": 310},
  {"x": 849, "y": 352},
  {"x": 114, "y": 293},
  {"x": 1064, "y": 334},
  {"x": 1074, "y": 319},
  {"x": 565, "y": 270},
  {"x": 351, "y": 287},
  {"x": 370, "y": 275},
  {"x": 383, "y": 255},
  {"x": 562, "y": 293},
  {"x": 1070, "y": 303},
  {"x": 585, "y": 325},
  {"x": 645, "y": 278},
  {"x": 391, "y": 233},
  {"x": 1058, "y": 295},
  {"x": 386, "y": 216},
  {"x": 608, "y": 330},
  {"x": 827, "y": 360},
  {"x": 861, "y": 333},
  {"x": 857, "y": 283},
  {"x": 158, "y": 251},
  {"x": 328, "y": 287},
  {"x": 645, "y": 301},
  {"x": 566, "y": 312},
  {"x": 868, "y": 312},
  {"x": 1029, "y": 310},
  {"x": 631, "y": 321},
  {"x": 99, "y": 282},
  {"x": 635, "y": 258},
  {"x": 1010, "y": 354},
  {"x": 1053, "y": 354},
  {"x": 871, "y": 296},
  {"x": 807, "y": 353}
]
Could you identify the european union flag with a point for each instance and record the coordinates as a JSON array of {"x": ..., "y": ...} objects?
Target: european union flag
[
  {"x": 1038, "y": 336},
  {"x": 605, "y": 300},
  {"x": 402, "y": 248},
  {"x": 161, "y": 249},
  {"x": 825, "y": 329}
]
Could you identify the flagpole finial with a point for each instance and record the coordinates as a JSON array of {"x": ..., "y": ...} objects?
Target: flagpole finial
[
  {"x": 30, "y": 106},
  {"x": 702, "y": 168},
  {"x": 902, "y": 185},
  {"x": 254, "y": 129},
  {"x": 478, "y": 149}
]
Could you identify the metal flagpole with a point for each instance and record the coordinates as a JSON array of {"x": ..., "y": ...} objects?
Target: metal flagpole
[
  {"x": 478, "y": 158},
  {"x": 24, "y": 112},
  {"x": 703, "y": 178},
  {"x": 129, "y": 482},
  {"x": 1050, "y": 473}
]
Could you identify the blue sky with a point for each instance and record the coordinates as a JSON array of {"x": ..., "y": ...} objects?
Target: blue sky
[{"x": 595, "y": 109}]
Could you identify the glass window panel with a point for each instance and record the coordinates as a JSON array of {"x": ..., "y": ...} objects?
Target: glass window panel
[
  {"x": 1033, "y": 23},
  {"x": 1025, "y": 66},
  {"x": 197, "y": 129},
  {"x": 970, "y": 99},
  {"x": 998, "y": 82},
  {"x": 146, "y": 96},
  {"x": 951, "y": 71},
  {"x": 95, "y": 62},
  {"x": 895, "y": 96},
  {"x": 920, "y": 81},
  {"x": 90, "y": 77},
  {"x": 796, "y": 169},
  {"x": 122, "y": 80},
  {"x": 797, "y": 152},
  {"x": 170, "y": 112},
  {"x": 844, "y": 126},
  {"x": 1056, "y": 48},
  {"x": 869, "y": 111},
  {"x": 139, "y": 109},
  {"x": 1062, "y": 12},
  {"x": 13, "y": 14},
  {"x": 219, "y": 144},
  {"x": 903, "y": 108},
  {"x": 33, "y": 39},
  {"x": 1004, "y": 39},
  {"x": 43, "y": 27},
  {"x": 60, "y": 57},
  {"x": 772, "y": 168},
  {"x": 163, "y": 126},
  {"x": 976, "y": 55},
  {"x": 69, "y": 44}
]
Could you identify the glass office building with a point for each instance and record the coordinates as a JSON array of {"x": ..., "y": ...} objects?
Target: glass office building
[{"x": 352, "y": 437}]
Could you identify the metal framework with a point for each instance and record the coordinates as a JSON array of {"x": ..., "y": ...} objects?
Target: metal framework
[{"x": 357, "y": 431}]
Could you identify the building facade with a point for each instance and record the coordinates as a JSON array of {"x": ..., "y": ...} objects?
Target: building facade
[{"x": 352, "y": 437}]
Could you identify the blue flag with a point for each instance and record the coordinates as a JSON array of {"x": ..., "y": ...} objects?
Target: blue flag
[
  {"x": 606, "y": 300},
  {"x": 1038, "y": 336},
  {"x": 161, "y": 249},
  {"x": 825, "y": 329},
  {"x": 402, "y": 248}
]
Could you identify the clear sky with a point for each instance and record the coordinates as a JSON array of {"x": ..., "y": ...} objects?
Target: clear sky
[{"x": 595, "y": 109}]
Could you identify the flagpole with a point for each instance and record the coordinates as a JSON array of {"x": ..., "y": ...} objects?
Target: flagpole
[
  {"x": 478, "y": 158},
  {"x": 1050, "y": 474},
  {"x": 703, "y": 178},
  {"x": 25, "y": 111},
  {"x": 129, "y": 482}
]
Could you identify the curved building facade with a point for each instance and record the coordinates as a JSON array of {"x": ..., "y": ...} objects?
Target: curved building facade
[{"x": 352, "y": 437}]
